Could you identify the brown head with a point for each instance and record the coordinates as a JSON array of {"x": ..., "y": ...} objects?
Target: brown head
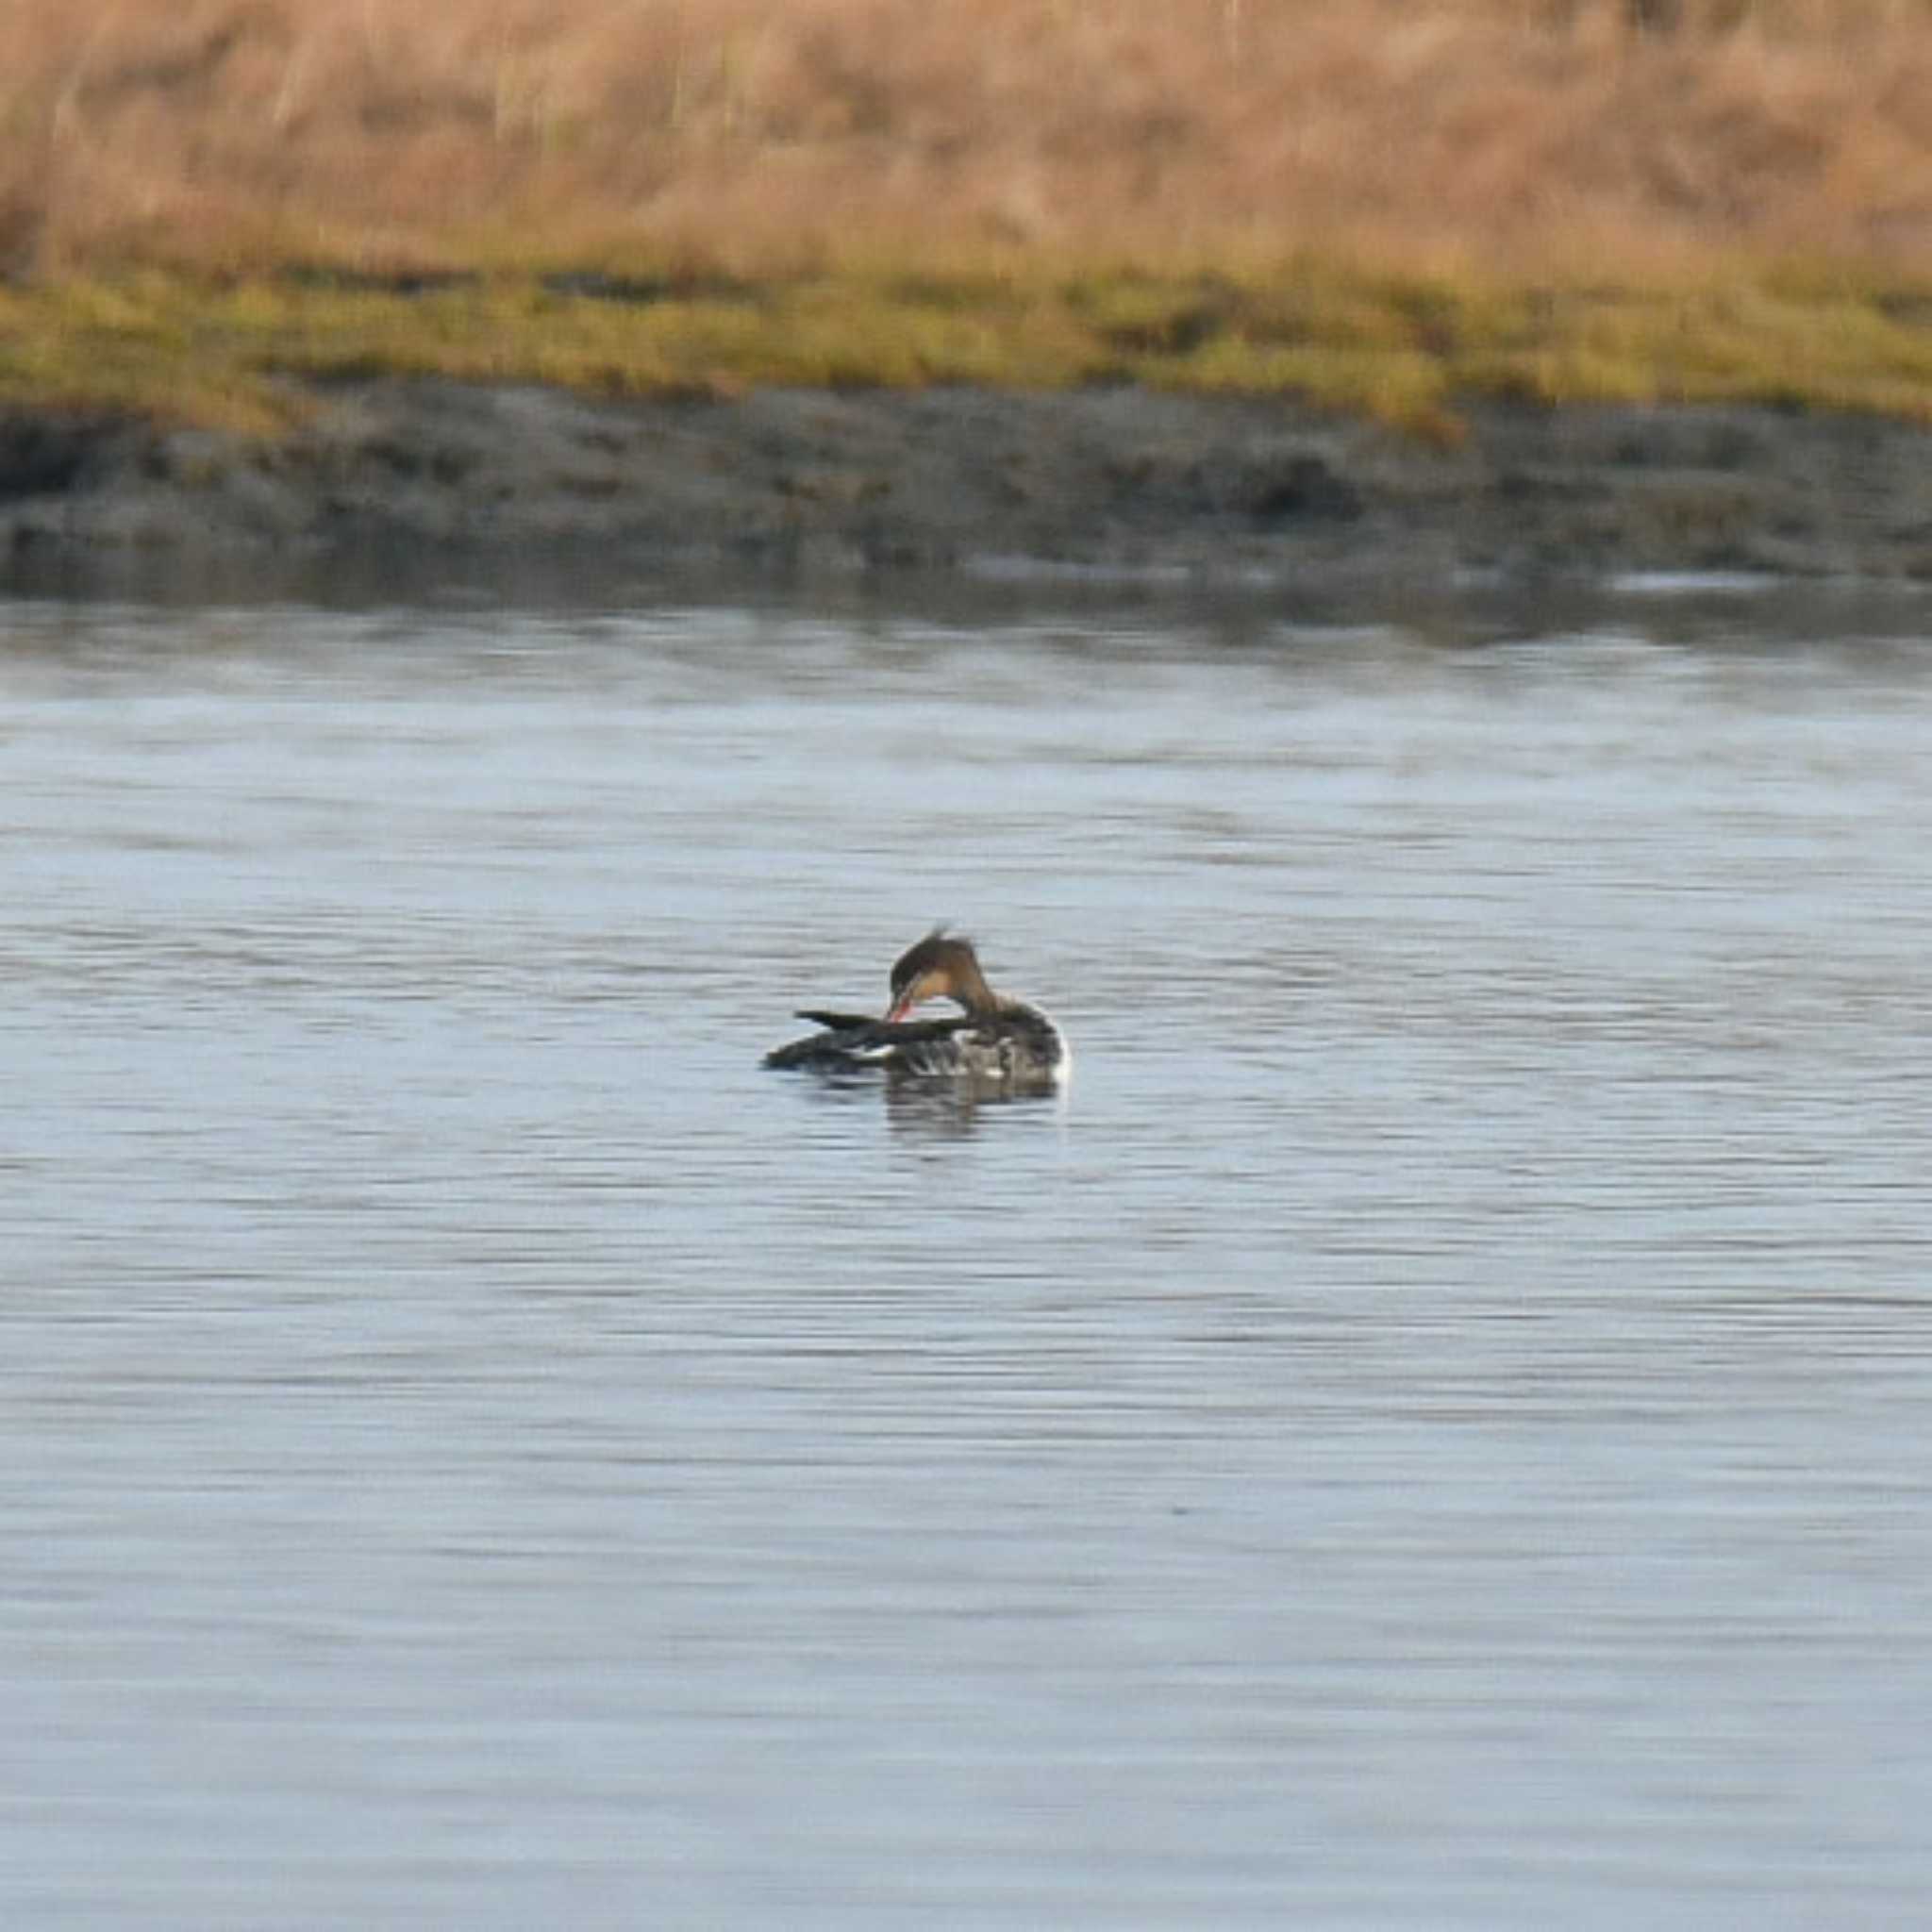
[{"x": 939, "y": 967}]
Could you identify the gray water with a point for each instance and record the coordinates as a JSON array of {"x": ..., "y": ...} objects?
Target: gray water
[{"x": 1431, "y": 1431}]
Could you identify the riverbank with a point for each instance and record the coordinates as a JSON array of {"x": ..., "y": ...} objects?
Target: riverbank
[
  {"x": 1584, "y": 286},
  {"x": 1118, "y": 479}
]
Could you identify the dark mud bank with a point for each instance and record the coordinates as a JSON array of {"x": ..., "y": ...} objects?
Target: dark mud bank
[{"x": 1115, "y": 479}]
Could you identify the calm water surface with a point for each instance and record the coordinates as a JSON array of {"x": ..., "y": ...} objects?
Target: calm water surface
[{"x": 1432, "y": 1431}]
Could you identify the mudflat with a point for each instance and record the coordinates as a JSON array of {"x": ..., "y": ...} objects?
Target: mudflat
[{"x": 1117, "y": 478}]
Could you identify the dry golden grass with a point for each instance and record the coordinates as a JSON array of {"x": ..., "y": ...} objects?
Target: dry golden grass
[
  {"x": 1382, "y": 205},
  {"x": 763, "y": 136}
]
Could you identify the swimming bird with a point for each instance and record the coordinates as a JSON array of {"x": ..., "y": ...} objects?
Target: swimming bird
[{"x": 993, "y": 1047}]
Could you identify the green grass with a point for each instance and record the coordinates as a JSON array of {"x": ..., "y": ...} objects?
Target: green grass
[{"x": 241, "y": 352}]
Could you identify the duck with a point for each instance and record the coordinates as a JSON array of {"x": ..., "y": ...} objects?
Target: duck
[{"x": 994, "y": 1046}]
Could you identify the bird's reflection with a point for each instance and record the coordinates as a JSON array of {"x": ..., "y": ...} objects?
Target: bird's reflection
[
  {"x": 932, "y": 1110},
  {"x": 956, "y": 1109}
]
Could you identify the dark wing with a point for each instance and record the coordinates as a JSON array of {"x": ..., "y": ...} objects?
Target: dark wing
[{"x": 850, "y": 1045}]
